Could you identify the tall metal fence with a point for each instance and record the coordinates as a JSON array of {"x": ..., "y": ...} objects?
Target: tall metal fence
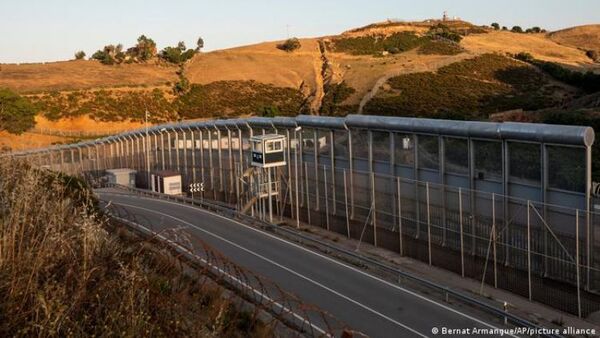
[{"x": 507, "y": 204}]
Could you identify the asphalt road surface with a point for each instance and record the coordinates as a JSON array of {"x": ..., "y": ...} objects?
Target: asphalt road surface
[{"x": 364, "y": 302}]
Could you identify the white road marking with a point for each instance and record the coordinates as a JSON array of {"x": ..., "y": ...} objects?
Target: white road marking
[
  {"x": 327, "y": 258},
  {"x": 280, "y": 266},
  {"x": 237, "y": 280}
]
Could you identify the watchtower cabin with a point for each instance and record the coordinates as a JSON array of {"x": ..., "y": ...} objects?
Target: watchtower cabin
[
  {"x": 268, "y": 155},
  {"x": 268, "y": 150}
]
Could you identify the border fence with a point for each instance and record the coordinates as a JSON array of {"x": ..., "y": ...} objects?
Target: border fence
[{"x": 508, "y": 204}]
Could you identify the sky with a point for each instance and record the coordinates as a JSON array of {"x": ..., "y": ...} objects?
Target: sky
[{"x": 43, "y": 30}]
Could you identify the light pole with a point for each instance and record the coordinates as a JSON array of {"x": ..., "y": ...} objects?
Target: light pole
[{"x": 296, "y": 174}]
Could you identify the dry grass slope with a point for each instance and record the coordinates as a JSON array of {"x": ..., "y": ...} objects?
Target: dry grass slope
[
  {"x": 584, "y": 37},
  {"x": 75, "y": 75},
  {"x": 63, "y": 274}
]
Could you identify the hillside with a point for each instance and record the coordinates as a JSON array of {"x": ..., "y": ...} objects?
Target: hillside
[
  {"x": 370, "y": 69},
  {"x": 77, "y": 75},
  {"x": 583, "y": 37}
]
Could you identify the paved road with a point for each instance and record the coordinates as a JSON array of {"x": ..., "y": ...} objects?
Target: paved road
[{"x": 365, "y": 302}]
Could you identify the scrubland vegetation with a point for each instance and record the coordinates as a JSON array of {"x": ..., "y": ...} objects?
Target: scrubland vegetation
[
  {"x": 16, "y": 113},
  {"x": 440, "y": 47},
  {"x": 238, "y": 98},
  {"x": 221, "y": 98},
  {"x": 439, "y": 39},
  {"x": 106, "y": 105},
  {"x": 588, "y": 81},
  {"x": 470, "y": 89},
  {"x": 143, "y": 51},
  {"x": 65, "y": 271},
  {"x": 373, "y": 45},
  {"x": 335, "y": 95}
]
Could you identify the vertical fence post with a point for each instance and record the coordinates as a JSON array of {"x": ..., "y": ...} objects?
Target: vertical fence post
[
  {"x": 374, "y": 208},
  {"x": 170, "y": 149},
  {"x": 346, "y": 204},
  {"x": 351, "y": 167},
  {"x": 326, "y": 196},
  {"x": 462, "y": 234},
  {"x": 307, "y": 192},
  {"x": 333, "y": 178},
  {"x": 577, "y": 262},
  {"x": 428, "y": 221},
  {"x": 269, "y": 191},
  {"x": 194, "y": 149},
  {"x": 296, "y": 173},
  {"x": 529, "y": 249},
  {"x": 316, "y": 163},
  {"x": 185, "y": 157},
  {"x": 400, "y": 216},
  {"x": 494, "y": 238}
]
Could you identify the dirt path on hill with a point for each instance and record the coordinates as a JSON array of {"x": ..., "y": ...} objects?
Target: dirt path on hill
[{"x": 416, "y": 67}]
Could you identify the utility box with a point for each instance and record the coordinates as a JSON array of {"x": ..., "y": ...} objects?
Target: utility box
[
  {"x": 268, "y": 150},
  {"x": 166, "y": 182},
  {"x": 123, "y": 176}
]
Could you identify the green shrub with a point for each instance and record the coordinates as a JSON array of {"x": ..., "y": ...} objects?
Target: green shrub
[
  {"x": 593, "y": 54},
  {"x": 177, "y": 54},
  {"x": 376, "y": 44},
  {"x": 517, "y": 29},
  {"x": 524, "y": 56},
  {"x": 440, "y": 47},
  {"x": 496, "y": 26},
  {"x": 335, "y": 95},
  {"x": 441, "y": 31},
  {"x": 183, "y": 85},
  {"x": 16, "y": 112},
  {"x": 290, "y": 45},
  {"x": 79, "y": 55},
  {"x": 104, "y": 57}
]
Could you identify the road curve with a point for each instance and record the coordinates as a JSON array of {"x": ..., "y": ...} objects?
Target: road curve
[{"x": 365, "y": 302}]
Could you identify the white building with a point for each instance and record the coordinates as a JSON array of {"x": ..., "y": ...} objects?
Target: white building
[
  {"x": 122, "y": 176},
  {"x": 166, "y": 182}
]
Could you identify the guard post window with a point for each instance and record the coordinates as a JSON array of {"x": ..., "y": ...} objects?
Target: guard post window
[{"x": 273, "y": 146}]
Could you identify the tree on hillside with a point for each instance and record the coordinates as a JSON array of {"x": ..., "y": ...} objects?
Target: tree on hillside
[
  {"x": 79, "y": 55},
  {"x": 16, "y": 112},
  {"x": 199, "y": 44},
  {"x": 290, "y": 45},
  {"x": 145, "y": 48},
  {"x": 593, "y": 54},
  {"x": 517, "y": 29},
  {"x": 496, "y": 26},
  {"x": 534, "y": 29},
  {"x": 504, "y": 28},
  {"x": 108, "y": 55},
  {"x": 177, "y": 54}
]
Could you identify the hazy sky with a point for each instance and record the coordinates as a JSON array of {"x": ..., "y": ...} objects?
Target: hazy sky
[{"x": 37, "y": 30}]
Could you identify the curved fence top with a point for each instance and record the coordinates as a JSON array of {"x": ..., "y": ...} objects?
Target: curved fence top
[
  {"x": 534, "y": 132},
  {"x": 527, "y": 132}
]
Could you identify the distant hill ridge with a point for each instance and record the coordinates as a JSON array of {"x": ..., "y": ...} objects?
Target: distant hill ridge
[{"x": 368, "y": 68}]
